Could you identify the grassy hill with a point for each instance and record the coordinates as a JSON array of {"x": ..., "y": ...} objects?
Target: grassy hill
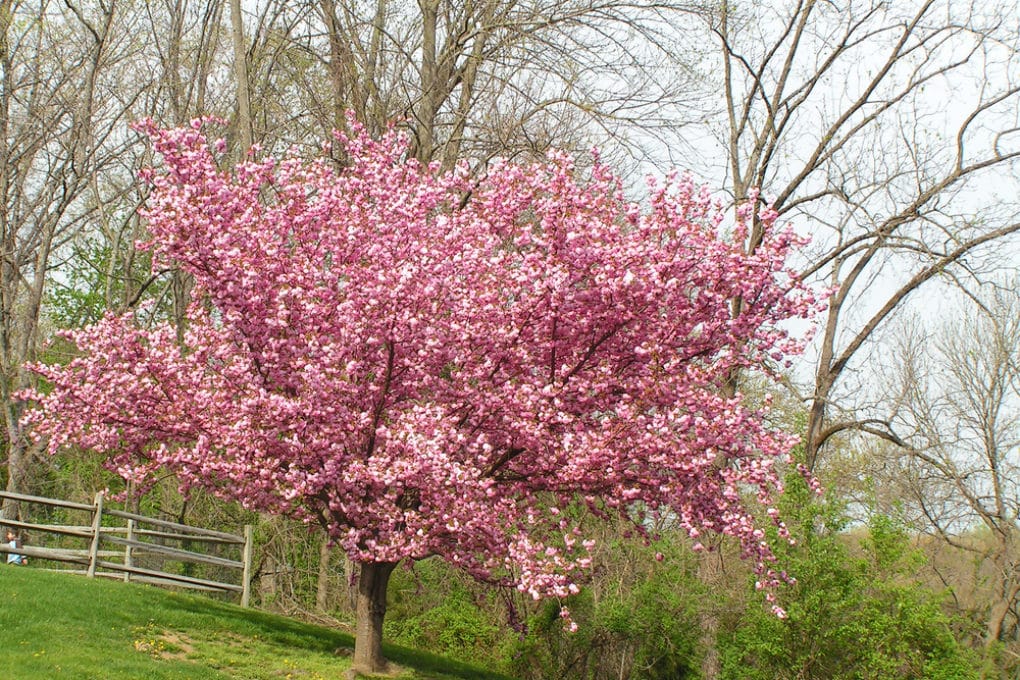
[{"x": 63, "y": 626}]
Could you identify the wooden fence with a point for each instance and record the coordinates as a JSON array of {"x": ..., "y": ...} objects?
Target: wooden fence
[{"x": 137, "y": 538}]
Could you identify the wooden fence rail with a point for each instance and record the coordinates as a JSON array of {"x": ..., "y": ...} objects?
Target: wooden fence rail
[{"x": 133, "y": 542}]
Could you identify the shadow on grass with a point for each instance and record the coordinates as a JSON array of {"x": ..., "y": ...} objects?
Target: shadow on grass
[
  {"x": 104, "y": 617},
  {"x": 432, "y": 663},
  {"x": 301, "y": 635},
  {"x": 271, "y": 627}
]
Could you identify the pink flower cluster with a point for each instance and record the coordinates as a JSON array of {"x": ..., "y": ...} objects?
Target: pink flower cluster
[{"x": 428, "y": 364}]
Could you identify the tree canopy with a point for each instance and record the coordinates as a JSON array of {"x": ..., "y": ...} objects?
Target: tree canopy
[{"x": 430, "y": 364}]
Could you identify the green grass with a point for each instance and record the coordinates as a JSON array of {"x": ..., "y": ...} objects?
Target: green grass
[{"x": 64, "y": 626}]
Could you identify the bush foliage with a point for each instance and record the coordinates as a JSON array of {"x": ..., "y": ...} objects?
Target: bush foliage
[{"x": 852, "y": 614}]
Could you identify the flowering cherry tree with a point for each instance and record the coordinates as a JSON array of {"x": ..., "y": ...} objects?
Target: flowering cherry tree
[{"x": 426, "y": 364}]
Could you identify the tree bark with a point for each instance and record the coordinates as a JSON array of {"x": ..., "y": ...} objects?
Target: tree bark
[
  {"x": 373, "y": 578},
  {"x": 1008, "y": 588},
  {"x": 431, "y": 89},
  {"x": 244, "y": 121},
  {"x": 322, "y": 582}
]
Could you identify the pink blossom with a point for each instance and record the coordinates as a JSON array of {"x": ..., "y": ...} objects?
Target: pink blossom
[{"x": 422, "y": 363}]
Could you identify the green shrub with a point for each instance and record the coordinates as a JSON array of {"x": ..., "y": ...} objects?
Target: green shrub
[
  {"x": 436, "y": 608},
  {"x": 637, "y": 620},
  {"x": 457, "y": 628},
  {"x": 849, "y": 617}
]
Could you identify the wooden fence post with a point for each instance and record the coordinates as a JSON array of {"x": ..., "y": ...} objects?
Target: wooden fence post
[
  {"x": 128, "y": 558},
  {"x": 249, "y": 540},
  {"x": 96, "y": 535},
  {"x": 97, "y": 522}
]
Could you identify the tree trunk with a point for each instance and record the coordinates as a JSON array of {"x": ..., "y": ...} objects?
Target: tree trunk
[
  {"x": 17, "y": 472},
  {"x": 1008, "y": 589},
  {"x": 710, "y": 573},
  {"x": 373, "y": 577},
  {"x": 244, "y": 121},
  {"x": 322, "y": 582}
]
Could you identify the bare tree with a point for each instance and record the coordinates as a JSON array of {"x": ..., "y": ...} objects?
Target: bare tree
[
  {"x": 961, "y": 410},
  {"x": 189, "y": 71},
  {"x": 837, "y": 112},
  {"x": 74, "y": 76},
  {"x": 468, "y": 80},
  {"x": 878, "y": 128},
  {"x": 57, "y": 128}
]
